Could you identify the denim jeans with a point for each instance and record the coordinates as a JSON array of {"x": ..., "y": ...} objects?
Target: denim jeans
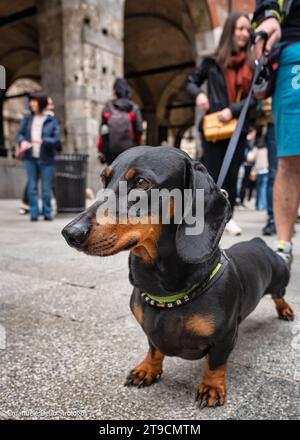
[
  {"x": 261, "y": 189},
  {"x": 35, "y": 168},
  {"x": 272, "y": 158}
]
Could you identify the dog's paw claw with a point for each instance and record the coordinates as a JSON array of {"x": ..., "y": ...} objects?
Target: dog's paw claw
[
  {"x": 287, "y": 315},
  {"x": 202, "y": 404},
  {"x": 141, "y": 384},
  {"x": 140, "y": 378},
  {"x": 207, "y": 396},
  {"x": 128, "y": 381}
]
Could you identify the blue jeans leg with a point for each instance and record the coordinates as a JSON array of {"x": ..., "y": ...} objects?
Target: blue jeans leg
[
  {"x": 261, "y": 187},
  {"x": 31, "y": 167},
  {"x": 47, "y": 172},
  {"x": 272, "y": 158}
]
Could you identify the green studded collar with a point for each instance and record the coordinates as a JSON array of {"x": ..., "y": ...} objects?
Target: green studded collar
[{"x": 182, "y": 298}]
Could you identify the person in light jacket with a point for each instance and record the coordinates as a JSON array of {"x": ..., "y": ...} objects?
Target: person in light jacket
[{"x": 39, "y": 138}]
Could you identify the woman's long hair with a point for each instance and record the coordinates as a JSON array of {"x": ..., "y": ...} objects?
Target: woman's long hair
[
  {"x": 41, "y": 98},
  {"x": 226, "y": 45}
]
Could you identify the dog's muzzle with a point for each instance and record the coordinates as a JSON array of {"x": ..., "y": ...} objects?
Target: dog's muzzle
[{"x": 76, "y": 234}]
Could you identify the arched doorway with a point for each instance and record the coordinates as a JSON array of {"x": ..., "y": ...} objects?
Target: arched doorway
[
  {"x": 19, "y": 48},
  {"x": 160, "y": 52},
  {"x": 15, "y": 103}
]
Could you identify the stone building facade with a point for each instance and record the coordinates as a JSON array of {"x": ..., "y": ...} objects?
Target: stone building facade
[{"x": 74, "y": 50}]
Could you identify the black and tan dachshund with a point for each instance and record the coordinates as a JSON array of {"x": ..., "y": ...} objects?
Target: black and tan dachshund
[{"x": 189, "y": 296}]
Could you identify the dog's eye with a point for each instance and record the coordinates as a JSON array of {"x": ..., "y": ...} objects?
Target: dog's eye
[{"x": 142, "y": 184}]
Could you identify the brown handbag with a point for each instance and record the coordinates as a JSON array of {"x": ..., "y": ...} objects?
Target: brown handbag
[{"x": 215, "y": 130}]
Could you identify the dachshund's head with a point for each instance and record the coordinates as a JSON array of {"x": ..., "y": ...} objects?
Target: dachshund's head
[{"x": 137, "y": 223}]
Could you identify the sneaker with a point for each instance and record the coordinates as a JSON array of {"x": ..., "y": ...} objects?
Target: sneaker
[
  {"x": 23, "y": 210},
  {"x": 285, "y": 250},
  {"x": 269, "y": 229},
  {"x": 33, "y": 219},
  {"x": 232, "y": 228}
]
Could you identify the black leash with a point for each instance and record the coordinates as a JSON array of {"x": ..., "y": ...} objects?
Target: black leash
[{"x": 237, "y": 133}]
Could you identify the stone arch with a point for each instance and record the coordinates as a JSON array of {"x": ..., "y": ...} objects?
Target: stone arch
[
  {"x": 160, "y": 51},
  {"x": 14, "y": 106}
]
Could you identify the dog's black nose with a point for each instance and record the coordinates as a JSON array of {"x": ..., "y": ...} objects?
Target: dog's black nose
[{"x": 76, "y": 234}]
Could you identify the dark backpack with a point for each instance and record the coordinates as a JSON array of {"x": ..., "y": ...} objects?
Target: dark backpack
[{"x": 120, "y": 124}]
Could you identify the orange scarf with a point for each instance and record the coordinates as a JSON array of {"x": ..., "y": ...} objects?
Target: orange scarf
[{"x": 238, "y": 76}]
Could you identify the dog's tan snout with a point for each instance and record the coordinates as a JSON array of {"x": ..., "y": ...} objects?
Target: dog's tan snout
[{"x": 75, "y": 234}]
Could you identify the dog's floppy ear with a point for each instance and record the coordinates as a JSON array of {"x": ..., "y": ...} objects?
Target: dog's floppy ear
[{"x": 217, "y": 212}]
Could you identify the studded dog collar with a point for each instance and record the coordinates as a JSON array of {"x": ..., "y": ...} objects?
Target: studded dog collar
[{"x": 182, "y": 298}]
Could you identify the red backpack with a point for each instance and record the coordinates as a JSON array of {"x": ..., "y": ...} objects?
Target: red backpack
[{"x": 120, "y": 129}]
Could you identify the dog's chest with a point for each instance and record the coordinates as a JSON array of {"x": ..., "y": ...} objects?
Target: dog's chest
[{"x": 169, "y": 332}]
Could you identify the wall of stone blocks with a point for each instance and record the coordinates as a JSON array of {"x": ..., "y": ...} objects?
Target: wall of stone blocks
[{"x": 81, "y": 46}]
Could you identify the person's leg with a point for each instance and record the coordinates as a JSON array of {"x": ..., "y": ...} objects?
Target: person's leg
[
  {"x": 286, "y": 108},
  {"x": 258, "y": 190},
  {"x": 25, "y": 198},
  {"x": 269, "y": 228},
  {"x": 24, "y": 208},
  {"x": 230, "y": 183},
  {"x": 287, "y": 196},
  {"x": 31, "y": 171},
  {"x": 46, "y": 173},
  {"x": 251, "y": 187},
  {"x": 245, "y": 183},
  {"x": 213, "y": 157},
  {"x": 272, "y": 159},
  {"x": 263, "y": 192}
]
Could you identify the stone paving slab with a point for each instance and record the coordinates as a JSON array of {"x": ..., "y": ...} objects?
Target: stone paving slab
[{"x": 71, "y": 339}]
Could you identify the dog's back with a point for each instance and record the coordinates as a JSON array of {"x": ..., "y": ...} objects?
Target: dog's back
[{"x": 261, "y": 271}]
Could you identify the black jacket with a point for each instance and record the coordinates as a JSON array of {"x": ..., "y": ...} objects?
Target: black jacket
[
  {"x": 210, "y": 71},
  {"x": 128, "y": 106},
  {"x": 290, "y": 24}
]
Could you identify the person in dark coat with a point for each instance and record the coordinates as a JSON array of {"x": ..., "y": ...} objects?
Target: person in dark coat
[{"x": 228, "y": 74}]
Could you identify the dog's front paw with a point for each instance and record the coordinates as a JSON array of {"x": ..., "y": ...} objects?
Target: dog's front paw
[
  {"x": 143, "y": 375},
  {"x": 212, "y": 396}
]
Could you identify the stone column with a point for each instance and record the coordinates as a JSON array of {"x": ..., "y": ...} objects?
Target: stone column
[
  {"x": 49, "y": 21},
  {"x": 1, "y": 120},
  {"x": 93, "y": 58},
  {"x": 82, "y": 54}
]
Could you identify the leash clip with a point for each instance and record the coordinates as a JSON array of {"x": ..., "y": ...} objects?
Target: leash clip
[
  {"x": 261, "y": 34},
  {"x": 225, "y": 193}
]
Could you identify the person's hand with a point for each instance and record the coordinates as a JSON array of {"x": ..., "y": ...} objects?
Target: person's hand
[
  {"x": 273, "y": 29},
  {"x": 25, "y": 145},
  {"x": 101, "y": 157},
  {"x": 21, "y": 148},
  {"x": 225, "y": 115},
  {"x": 202, "y": 102}
]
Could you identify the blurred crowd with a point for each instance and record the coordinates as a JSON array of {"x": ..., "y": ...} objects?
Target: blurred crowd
[{"x": 264, "y": 155}]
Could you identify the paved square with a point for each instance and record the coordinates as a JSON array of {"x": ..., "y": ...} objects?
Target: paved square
[{"x": 68, "y": 340}]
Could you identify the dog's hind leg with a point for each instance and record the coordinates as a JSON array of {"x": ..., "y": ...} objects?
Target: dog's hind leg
[
  {"x": 284, "y": 311},
  {"x": 148, "y": 371}
]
